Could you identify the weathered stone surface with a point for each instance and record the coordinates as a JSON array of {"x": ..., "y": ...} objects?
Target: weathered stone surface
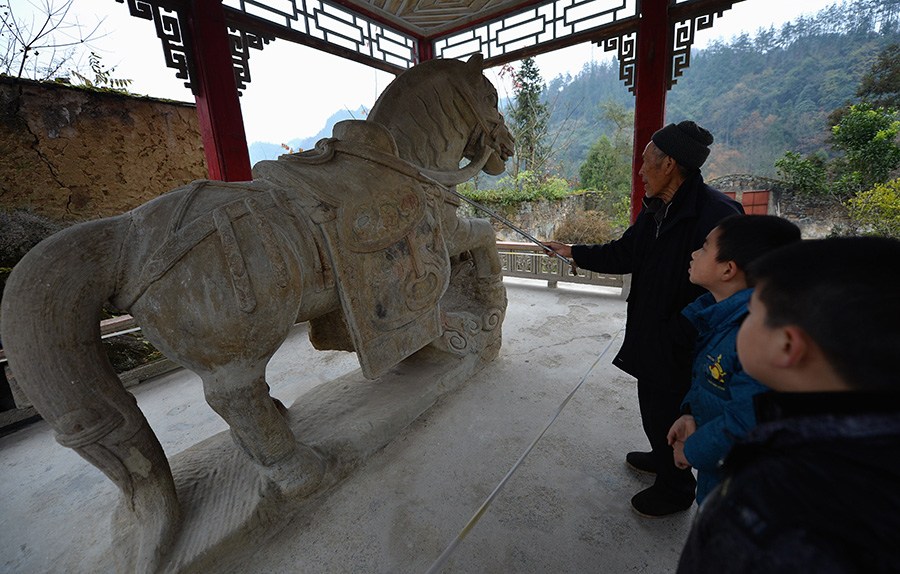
[
  {"x": 217, "y": 273},
  {"x": 77, "y": 154}
]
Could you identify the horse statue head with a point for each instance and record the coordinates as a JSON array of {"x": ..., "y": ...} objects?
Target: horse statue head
[{"x": 454, "y": 101}]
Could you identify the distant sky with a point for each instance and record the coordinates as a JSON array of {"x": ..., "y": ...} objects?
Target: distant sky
[{"x": 294, "y": 89}]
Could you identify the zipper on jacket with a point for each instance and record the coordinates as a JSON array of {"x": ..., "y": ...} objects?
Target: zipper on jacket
[{"x": 660, "y": 222}]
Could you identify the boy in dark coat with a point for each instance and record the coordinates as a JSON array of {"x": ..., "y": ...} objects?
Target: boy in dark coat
[
  {"x": 679, "y": 211},
  {"x": 813, "y": 488}
]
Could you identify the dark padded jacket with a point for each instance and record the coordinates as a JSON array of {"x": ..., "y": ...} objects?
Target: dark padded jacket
[
  {"x": 812, "y": 489},
  {"x": 658, "y": 340}
]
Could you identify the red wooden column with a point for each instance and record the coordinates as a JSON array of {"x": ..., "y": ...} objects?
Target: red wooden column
[
  {"x": 218, "y": 107},
  {"x": 654, "y": 51},
  {"x": 425, "y": 51}
]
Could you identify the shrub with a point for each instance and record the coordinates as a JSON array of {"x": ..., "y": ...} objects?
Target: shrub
[
  {"x": 527, "y": 186},
  {"x": 20, "y": 230},
  {"x": 615, "y": 205},
  {"x": 878, "y": 209},
  {"x": 807, "y": 176},
  {"x": 585, "y": 227}
]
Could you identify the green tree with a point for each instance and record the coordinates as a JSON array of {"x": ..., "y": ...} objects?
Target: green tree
[
  {"x": 865, "y": 138},
  {"x": 529, "y": 119},
  {"x": 880, "y": 86},
  {"x": 607, "y": 167},
  {"x": 602, "y": 168},
  {"x": 806, "y": 175},
  {"x": 608, "y": 163},
  {"x": 868, "y": 138}
]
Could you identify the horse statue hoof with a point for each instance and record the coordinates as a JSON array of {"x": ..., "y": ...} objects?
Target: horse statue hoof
[
  {"x": 298, "y": 475},
  {"x": 145, "y": 535}
]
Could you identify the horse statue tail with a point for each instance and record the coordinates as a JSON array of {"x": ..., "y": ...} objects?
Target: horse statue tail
[{"x": 51, "y": 334}]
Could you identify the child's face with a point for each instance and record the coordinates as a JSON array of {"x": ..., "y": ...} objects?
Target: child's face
[
  {"x": 755, "y": 341},
  {"x": 704, "y": 269}
]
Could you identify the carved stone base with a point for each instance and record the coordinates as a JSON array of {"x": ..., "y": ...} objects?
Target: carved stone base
[
  {"x": 229, "y": 508},
  {"x": 472, "y": 312}
]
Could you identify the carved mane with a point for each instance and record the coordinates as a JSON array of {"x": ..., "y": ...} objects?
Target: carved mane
[{"x": 427, "y": 114}]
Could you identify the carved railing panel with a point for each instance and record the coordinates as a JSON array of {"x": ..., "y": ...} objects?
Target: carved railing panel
[{"x": 529, "y": 261}]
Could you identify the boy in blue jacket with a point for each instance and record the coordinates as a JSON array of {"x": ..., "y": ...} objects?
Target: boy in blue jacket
[
  {"x": 718, "y": 408},
  {"x": 813, "y": 487}
]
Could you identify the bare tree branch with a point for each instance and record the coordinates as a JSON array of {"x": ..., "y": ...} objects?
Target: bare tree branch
[{"x": 36, "y": 29}]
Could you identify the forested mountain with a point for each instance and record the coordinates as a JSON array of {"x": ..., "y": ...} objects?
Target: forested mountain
[{"x": 759, "y": 95}]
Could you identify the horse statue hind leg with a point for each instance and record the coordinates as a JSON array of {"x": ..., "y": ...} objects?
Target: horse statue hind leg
[
  {"x": 65, "y": 281},
  {"x": 215, "y": 307}
]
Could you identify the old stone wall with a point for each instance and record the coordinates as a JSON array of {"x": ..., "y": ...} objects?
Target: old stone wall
[
  {"x": 538, "y": 218},
  {"x": 73, "y": 154},
  {"x": 816, "y": 217}
]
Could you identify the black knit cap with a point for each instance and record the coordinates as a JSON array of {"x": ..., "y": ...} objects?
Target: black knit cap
[{"x": 685, "y": 142}]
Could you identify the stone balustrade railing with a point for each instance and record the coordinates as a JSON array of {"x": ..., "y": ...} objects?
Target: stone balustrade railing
[{"x": 529, "y": 261}]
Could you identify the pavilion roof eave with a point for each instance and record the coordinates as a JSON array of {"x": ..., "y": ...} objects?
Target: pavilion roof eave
[
  {"x": 207, "y": 42},
  {"x": 262, "y": 27},
  {"x": 698, "y": 13},
  {"x": 359, "y": 31}
]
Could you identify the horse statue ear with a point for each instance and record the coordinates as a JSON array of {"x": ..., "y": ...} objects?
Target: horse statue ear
[{"x": 475, "y": 62}]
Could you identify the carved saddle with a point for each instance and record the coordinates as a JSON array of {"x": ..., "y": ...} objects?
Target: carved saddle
[{"x": 382, "y": 231}]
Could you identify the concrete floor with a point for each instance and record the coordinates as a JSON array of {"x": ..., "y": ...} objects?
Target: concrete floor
[{"x": 566, "y": 509}]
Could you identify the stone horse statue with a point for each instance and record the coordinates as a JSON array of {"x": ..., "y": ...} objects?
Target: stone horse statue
[{"x": 358, "y": 236}]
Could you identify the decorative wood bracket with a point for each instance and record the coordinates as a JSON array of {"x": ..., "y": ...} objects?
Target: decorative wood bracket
[
  {"x": 170, "y": 20},
  {"x": 683, "y": 33},
  {"x": 626, "y": 52},
  {"x": 171, "y": 29},
  {"x": 241, "y": 42},
  {"x": 683, "y": 36}
]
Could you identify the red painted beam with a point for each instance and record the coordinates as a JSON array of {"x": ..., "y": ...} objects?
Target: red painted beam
[
  {"x": 218, "y": 107},
  {"x": 654, "y": 52}
]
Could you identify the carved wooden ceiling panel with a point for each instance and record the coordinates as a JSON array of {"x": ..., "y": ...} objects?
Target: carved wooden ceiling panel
[{"x": 431, "y": 17}]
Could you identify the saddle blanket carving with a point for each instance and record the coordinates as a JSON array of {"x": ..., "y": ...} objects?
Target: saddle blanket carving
[{"x": 384, "y": 240}]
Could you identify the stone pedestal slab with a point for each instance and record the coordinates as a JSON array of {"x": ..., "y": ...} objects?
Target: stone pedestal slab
[{"x": 229, "y": 509}]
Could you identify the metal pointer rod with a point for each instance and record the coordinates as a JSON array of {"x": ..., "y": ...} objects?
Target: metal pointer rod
[{"x": 508, "y": 223}]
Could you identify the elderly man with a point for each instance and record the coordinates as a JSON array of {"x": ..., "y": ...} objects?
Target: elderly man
[{"x": 679, "y": 211}]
